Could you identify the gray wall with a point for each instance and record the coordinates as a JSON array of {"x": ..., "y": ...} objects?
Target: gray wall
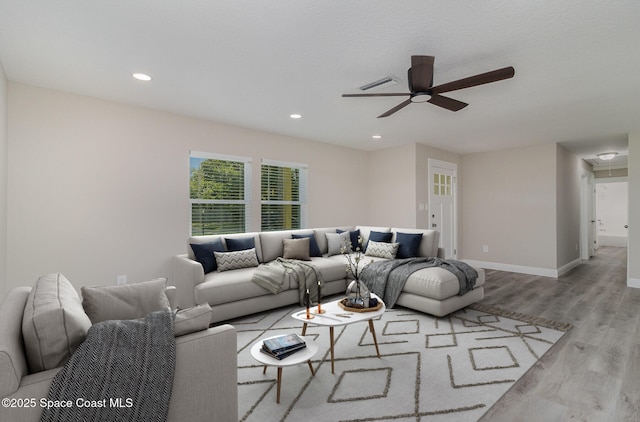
[
  {"x": 99, "y": 189},
  {"x": 568, "y": 170},
  {"x": 96, "y": 189},
  {"x": 509, "y": 202},
  {"x": 3, "y": 181}
]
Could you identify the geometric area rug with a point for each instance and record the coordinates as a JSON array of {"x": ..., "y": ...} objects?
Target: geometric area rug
[{"x": 452, "y": 368}]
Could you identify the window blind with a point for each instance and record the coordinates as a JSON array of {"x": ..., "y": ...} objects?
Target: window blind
[
  {"x": 220, "y": 193},
  {"x": 283, "y": 195}
]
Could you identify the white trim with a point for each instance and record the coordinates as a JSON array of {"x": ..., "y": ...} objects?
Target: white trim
[
  {"x": 216, "y": 156},
  {"x": 278, "y": 163},
  {"x": 633, "y": 282},
  {"x": 545, "y": 272},
  {"x": 567, "y": 267}
]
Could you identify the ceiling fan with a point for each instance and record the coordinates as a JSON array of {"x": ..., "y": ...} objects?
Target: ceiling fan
[{"x": 420, "y": 79}]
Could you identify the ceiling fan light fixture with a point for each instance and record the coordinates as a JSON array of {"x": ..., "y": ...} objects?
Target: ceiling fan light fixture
[
  {"x": 420, "y": 97},
  {"x": 606, "y": 156}
]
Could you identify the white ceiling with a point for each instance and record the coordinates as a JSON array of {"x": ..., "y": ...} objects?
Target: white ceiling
[{"x": 252, "y": 63}]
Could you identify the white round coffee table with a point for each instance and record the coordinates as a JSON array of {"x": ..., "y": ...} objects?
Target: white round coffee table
[
  {"x": 296, "y": 358},
  {"x": 334, "y": 316}
]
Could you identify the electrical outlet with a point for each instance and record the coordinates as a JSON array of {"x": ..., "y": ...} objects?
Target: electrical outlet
[
  {"x": 121, "y": 279},
  {"x": 485, "y": 248}
]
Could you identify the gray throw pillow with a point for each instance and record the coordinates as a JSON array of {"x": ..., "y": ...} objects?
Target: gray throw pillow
[
  {"x": 125, "y": 301},
  {"x": 235, "y": 260},
  {"x": 53, "y": 323},
  {"x": 336, "y": 241},
  {"x": 296, "y": 249},
  {"x": 192, "y": 319}
]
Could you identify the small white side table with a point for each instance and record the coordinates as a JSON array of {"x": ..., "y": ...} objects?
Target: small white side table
[{"x": 297, "y": 358}]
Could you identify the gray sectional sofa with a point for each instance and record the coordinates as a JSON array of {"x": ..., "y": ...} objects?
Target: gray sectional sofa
[{"x": 232, "y": 293}]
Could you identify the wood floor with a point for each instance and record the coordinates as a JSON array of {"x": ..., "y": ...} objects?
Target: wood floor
[{"x": 593, "y": 372}]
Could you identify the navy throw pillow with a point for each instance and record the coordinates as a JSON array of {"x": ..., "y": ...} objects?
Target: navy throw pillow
[
  {"x": 409, "y": 244},
  {"x": 314, "y": 250},
  {"x": 353, "y": 235},
  {"x": 204, "y": 254},
  {"x": 240, "y": 243},
  {"x": 379, "y": 237}
]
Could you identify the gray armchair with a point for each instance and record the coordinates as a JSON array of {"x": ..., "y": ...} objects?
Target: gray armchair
[{"x": 204, "y": 385}]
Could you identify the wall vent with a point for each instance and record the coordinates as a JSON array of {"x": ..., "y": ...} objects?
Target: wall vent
[{"x": 380, "y": 83}]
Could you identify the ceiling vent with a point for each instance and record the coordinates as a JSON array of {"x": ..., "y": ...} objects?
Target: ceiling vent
[{"x": 380, "y": 83}]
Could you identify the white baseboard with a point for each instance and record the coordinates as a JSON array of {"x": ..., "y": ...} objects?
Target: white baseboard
[
  {"x": 620, "y": 241},
  {"x": 545, "y": 272},
  {"x": 633, "y": 282},
  {"x": 571, "y": 265}
]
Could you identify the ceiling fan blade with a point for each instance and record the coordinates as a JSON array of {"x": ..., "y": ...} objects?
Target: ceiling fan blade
[
  {"x": 420, "y": 75},
  {"x": 480, "y": 79},
  {"x": 396, "y": 108},
  {"x": 384, "y": 94},
  {"x": 446, "y": 102}
]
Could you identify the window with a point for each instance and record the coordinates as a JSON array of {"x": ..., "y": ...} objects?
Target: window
[
  {"x": 283, "y": 195},
  {"x": 220, "y": 193},
  {"x": 441, "y": 184}
]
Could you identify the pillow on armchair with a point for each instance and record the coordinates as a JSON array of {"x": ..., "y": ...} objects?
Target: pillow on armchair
[
  {"x": 190, "y": 320},
  {"x": 125, "y": 301},
  {"x": 53, "y": 323}
]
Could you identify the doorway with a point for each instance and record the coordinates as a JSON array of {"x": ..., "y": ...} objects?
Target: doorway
[
  {"x": 588, "y": 240},
  {"x": 443, "y": 179},
  {"x": 612, "y": 212}
]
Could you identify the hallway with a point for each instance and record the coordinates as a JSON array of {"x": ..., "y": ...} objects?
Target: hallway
[{"x": 592, "y": 373}]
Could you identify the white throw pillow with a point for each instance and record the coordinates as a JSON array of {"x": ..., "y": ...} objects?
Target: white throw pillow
[
  {"x": 53, "y": 323},
  {"x": 238, "y": 259},
  {"x": 382, "y": 249}
]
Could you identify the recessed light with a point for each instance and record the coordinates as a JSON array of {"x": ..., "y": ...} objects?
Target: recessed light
[
  {"x": 377, "y": 136},
  {"x": 295, "y": 116},
  {"x": 142, "y": 77}
]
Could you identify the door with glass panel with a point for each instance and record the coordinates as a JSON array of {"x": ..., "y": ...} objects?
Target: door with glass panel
[{"x": 442, "y": 204}]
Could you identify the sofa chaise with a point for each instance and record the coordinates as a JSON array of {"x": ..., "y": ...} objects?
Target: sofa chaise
[{"x": 232, "y": 293}]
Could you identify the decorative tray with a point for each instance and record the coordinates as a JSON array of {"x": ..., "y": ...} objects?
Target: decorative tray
[{"x": 350, "y": 309}]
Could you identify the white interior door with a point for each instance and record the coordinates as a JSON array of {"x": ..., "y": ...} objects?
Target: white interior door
[{"x": 442, "y": 204}]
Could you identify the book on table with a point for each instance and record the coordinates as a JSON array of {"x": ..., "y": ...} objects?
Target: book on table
[{"x": 282, "y": 346}]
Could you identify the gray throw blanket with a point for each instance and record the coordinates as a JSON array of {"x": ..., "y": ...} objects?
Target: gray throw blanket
[
  {"x": 272, "y": 276},
  {"x": 387, "y": 278},
  {"x": 123, "y": 371}
]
